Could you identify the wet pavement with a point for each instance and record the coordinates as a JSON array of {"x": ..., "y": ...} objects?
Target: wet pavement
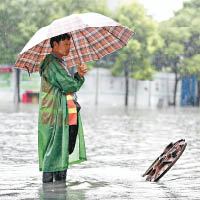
[{"x": 121, "y": 144}]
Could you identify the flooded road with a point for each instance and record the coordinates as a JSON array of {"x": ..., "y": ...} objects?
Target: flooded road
[{"x": 121, "y": 144}]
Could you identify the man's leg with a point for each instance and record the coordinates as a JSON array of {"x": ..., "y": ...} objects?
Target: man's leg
[
  {"x": 60, "y": 175},
  {"x": 47, "y": 177}
]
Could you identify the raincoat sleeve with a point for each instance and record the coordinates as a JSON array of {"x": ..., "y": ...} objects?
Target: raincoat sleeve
[{"x": 62, "y": 80}]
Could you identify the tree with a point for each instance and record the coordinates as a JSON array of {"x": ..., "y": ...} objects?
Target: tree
[
  {"x": 181, "y": 37},
  {"x": 135, "y": 59},
  {"x": 9, "y": 17},
  {"x": 18, "y": 24},
  {"x": 190, "y": 66},
  {"x": 189, "y": 17},
  {"x": 20, "y": 19},
  {"x": 171, "y": 55}
]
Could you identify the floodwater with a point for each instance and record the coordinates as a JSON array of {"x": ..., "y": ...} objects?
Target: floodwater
[{"x": 121, "y": 144}]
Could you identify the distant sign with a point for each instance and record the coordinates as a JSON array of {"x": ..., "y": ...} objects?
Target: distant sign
[{"x": 5, "y": 70}]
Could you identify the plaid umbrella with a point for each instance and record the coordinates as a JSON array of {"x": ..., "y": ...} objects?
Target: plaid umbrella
[{"x": 93, "y": 36}]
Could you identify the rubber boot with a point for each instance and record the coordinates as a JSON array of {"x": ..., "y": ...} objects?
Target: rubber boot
[
  {"x": 47, "y": 177},
  {"x": 60, "y": 175}
]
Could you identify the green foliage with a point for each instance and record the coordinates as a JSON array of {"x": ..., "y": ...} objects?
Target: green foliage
[
  {"x": 190, "y": 66},
  {"x": 181, "y": 37},
  {"x": 180, "y": 53},
  {"x": 135, "y": 58},
  {"x": 20, "y": 19},
  {"x": 172, "y": 52},
  {"x": 62, "y": 8},
  {"x": 189, "y": 16},
  {"x": 170, "y": 45},
  {"x": 144, "y": 74},
  {"x": 8, "y": 21},
  {"x": 132, "y": 50}
]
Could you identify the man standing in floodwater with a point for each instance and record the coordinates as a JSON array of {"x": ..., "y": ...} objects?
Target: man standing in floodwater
[{"x": 60, "y": 133}]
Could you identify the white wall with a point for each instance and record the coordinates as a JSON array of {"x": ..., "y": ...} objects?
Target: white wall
[{"x": 111, "y": 90}]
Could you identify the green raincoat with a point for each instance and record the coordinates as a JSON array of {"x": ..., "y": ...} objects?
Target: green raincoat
[{"x": 53, "y": 122}]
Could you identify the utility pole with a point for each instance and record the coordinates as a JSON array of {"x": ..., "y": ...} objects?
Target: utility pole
[
  {"x": 97, "y": 86},
  {"x": 16, "y": 86},
  {"x": 136, "y": 91},
  {"x": 149, "y": 93}
]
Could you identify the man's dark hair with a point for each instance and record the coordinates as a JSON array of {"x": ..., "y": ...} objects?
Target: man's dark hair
[{"x": 58, "y": 38}]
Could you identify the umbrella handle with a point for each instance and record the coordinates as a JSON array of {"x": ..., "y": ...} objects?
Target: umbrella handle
[{"x": 76, "y": 50}]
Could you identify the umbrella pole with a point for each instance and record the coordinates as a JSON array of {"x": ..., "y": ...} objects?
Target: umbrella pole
[{"x": 76, "y": 49}]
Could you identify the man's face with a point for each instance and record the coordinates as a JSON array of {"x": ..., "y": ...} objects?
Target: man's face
[{"x": 62, "y": 48}]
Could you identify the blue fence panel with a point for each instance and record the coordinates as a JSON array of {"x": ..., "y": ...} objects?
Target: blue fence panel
[{"x": 188, "y": 91}]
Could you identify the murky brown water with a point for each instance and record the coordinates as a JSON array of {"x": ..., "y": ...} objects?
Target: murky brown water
[{"x": 121, "y": 144}]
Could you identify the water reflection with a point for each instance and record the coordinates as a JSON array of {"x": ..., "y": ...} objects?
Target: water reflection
[
  {"x": 53, "y": 191},
  {"x": 60, "y": 191}
]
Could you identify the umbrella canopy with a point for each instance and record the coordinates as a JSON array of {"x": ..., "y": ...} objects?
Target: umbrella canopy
[{"x": 93, "y": 36}]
